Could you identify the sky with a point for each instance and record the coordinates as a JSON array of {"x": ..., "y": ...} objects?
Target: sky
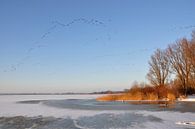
[{"x": 85, "y": 45}]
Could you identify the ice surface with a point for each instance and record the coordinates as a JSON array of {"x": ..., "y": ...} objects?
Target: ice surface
[
  {"x": 32, "y": 108},
  {"x": 9, "y": 106}
]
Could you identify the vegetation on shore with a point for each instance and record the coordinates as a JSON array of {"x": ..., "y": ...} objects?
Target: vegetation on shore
[
  {"x": 171, "y": 75},
  {"x": 138, "y": 92}
]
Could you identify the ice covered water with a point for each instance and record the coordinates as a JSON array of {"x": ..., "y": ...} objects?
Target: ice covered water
[{"x": 84, "y": 112}]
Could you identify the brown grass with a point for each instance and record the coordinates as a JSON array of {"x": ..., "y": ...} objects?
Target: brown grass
[{"x": 143, "y": 93}]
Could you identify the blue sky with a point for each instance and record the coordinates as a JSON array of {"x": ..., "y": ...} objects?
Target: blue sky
[{"x": 85, "y": 45}]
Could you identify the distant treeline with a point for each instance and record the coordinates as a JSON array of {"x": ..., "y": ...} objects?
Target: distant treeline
[{"x": 69, "y": 93}]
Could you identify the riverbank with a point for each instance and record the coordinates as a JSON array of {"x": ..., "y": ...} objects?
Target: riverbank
[
  {"x": 137, "y": 97},
  {"x": 150, "y": 99}
]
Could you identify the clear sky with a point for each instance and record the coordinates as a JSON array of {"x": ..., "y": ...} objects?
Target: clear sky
[{"x": 85, "y": 45}]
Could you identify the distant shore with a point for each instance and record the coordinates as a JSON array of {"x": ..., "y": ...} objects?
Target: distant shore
[{"x": 52, "y": 93}]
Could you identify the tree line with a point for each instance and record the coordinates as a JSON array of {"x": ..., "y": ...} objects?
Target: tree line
[{"x": 174, "y": 66}]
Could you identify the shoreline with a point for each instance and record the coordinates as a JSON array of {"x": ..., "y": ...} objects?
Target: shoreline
[{"x": 188, "y": 99}]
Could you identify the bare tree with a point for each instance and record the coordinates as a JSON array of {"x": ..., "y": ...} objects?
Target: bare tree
[
  {"x": 179, "y": 60},
  {"x": 192, "y": 59},
  {"x": 158, "y": 68},
  {"x": 179, "y": 54}
]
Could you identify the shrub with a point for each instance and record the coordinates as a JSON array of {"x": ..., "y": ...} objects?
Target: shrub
[
  {"x": 145, "y": 93},
  {"x": 171, "y": 96}
]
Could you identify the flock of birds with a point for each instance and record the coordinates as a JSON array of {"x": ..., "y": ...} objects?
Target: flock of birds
[
  {"x": 37, "y": 44},
  {"x": 60, "y": 24},
  {"x": 55, "y": 24}
]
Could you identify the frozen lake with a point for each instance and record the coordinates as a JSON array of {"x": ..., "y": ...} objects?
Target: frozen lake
[{"x": 84, "y": 112}]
